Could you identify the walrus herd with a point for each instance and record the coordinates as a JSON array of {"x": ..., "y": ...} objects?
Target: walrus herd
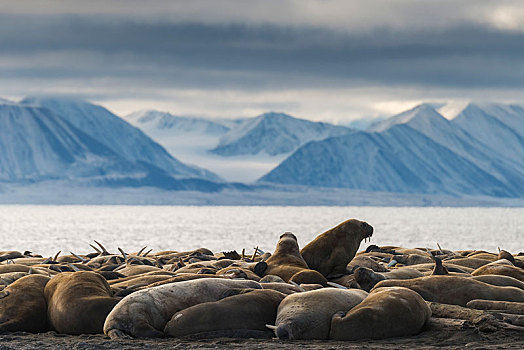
[{"x": 327, "y": 290}]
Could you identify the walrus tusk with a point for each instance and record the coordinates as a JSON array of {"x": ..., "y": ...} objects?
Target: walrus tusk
[
  {"x": 260, "y": 251},
  {"x": 243, "y": 253},
  {"x": 146, "y": 253},
  {"x": 297, "y": 285},
  {"x": 95, "y": 248},
  {"x": 10, "y": 261},
  {"x": 104, "y": 251},
  {"x": 141, "y": 250},
  {"x": 439, "y": 248},
  {"x": 273, "y": 328},
  {"x": 254, "y": 254},
  {"x": 83, "y": 260},
  {"x": 498, "y": 249},
  {"x": 30, "y": 271},
  {"x": 76, "y": 269},
  {"x": 336, "y": 285},
  {"x": 392, "y": 263},
  {"x": 56, "y": 256},
  {"x": 123, "y": 254}
]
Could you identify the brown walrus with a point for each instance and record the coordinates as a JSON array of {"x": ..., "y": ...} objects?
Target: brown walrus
[
  {"x": 249, "y": 311},
  {"x": 385, "y": 313},
  {"x": 23, "y": 306},
  {"x": 308, "y": 315},
  {"x": 455, "y": 290},
  {"x": 287, "y": 263},
  {"x": 367, "y": 278},
  {"x": 501, "y": 267},
  {"x": 78, "y": 302},
  {"x": 331, "y": 251}
]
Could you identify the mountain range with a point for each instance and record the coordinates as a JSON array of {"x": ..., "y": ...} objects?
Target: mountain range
[
  {"x": 479, "y": 151},
  {"x": 419, "y": 151}
]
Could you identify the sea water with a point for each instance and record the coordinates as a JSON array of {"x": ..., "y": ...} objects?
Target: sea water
[{"x": 48, "y": 229}]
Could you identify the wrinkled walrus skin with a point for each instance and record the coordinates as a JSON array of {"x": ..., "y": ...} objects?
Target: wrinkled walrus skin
[
  {"x": 145, "y": 313},
  {"x": 385, "y": 313}
]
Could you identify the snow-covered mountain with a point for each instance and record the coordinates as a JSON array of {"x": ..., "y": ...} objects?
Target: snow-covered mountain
[
  {"x": 480, "y": 152},
  {"x": 399, "y": 159},
  {"x": 274, "y": 134},
  {"x": 117, "y": 134},
  {"x": 427, "y": 120},
  {"x": 151, "y": 122},
  {"x": 498, "y": 127}
]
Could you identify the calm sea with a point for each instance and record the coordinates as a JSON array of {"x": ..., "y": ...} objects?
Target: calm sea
[{"x": 48, "y": 229}]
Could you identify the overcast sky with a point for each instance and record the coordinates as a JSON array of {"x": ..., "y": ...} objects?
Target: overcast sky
[{"x": 321, "y": 60}]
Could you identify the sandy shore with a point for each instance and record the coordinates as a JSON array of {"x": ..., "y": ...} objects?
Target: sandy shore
[{"x": 469, "y": 337}]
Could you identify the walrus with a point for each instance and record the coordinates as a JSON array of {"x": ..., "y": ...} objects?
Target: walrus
[
  {"x": 367, "y": 278},
  {"x": 385, "y": 313},
  {"x": 145, "y": 313},
  {"x": 331, "y": 251},
  {"x": 78, "y": 302},
  {"x": 507, "y": 306},
  {"x": 500, "y": 280},
  {"x": 286, "y": 261},
  {"x": 249, "y": 311},
  {"x": 455, "y": 290},
  {"x": 23, "y": 306},
  {"x": 308, "y": 315},
  {"x": 500, "y": 268},
  {"x": 365, "y": 261}
]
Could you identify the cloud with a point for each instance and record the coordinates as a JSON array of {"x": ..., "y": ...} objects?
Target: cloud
[{"x": 276, "y": 53}]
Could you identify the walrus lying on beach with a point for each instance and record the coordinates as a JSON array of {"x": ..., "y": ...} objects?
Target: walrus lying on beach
[
  {"x": 287, "y": 263},
  {"x": 501, "y": 267},
  {"x": 249, "y": 311},
  {"x": 23, "y": 306},
  {"x": 308, "y": 315},
  {"x": 385, "y": 313},
  {"x": 78, "y": 302},
  {"x": 455, "y": 290},
  {"x": 331, "y": 251},
  {"x": 367, "y": 278},
  {"x": 145, "y": 313}
]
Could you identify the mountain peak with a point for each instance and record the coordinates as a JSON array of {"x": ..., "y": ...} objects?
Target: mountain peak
[{"x": 424, "y": 113}]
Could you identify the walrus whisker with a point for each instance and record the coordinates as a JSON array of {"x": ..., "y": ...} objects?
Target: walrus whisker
[
  {"x": 123, "y": 254},
  {"x": 76, "y": 269},
  {"x": 104, "y": 250},
  {"x": 146, "y": 253},
  {"x": 95, "y": 248},
  {"x": 141, "y": 250},
  {"x": 56, "y": 256},
  {"x": 336, "y": 285},
  {"x": 83, "y": 260}
]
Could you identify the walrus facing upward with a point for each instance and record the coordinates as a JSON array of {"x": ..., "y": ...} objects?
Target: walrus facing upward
[
  {"x": 78, "y": 302},
  {"x": 331, "y": 251},
  {"x": 385, "y": 313},
  {"x": 249, "y": 311},
  {"x": 287, "y": 263},
  {"x": 23, "y": 306},
  {"x": 145, "y": 313}
]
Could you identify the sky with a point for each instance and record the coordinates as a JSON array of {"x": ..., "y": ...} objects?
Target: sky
[{"x": 331, "y": 60}]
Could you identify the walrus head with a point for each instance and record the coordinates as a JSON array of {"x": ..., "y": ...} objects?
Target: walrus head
[
  {"x": 362, "y": 229},
  {"x": 367, "y": 278}
]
